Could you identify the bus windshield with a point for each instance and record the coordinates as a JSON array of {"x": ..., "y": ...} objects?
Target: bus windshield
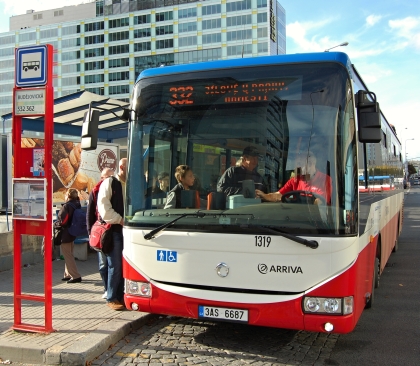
[{"x": 287, "y": 128}]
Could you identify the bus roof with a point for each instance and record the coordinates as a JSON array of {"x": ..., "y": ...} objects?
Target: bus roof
[{"x": 244, "y": 62}]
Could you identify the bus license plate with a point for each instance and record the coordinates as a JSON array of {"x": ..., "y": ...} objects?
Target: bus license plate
[{"x": 234, "y": 315}]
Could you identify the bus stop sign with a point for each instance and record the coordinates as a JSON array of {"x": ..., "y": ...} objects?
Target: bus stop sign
[{"x": 31, "y": 66}]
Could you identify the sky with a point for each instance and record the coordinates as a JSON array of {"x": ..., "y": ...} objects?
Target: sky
[{"x": 384, "y": 45}]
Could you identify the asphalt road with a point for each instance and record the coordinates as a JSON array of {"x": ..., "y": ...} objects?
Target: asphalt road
[{"x": 389, "y": 333}]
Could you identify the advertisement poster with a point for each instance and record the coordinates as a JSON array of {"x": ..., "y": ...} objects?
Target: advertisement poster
[
  {"x": 38, "y": 162},
  {"x": 72, "y": 167},
  {"x": 29, "y": 199}
]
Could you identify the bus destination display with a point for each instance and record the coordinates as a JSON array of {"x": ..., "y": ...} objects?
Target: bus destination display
[{"x": 228, "y": 93}]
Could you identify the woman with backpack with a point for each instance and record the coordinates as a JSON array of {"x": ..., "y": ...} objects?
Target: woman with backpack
[{"x": 64, "y": 219}]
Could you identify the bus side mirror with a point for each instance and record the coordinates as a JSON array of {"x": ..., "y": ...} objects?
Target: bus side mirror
[
  {"x": 369, "y": 117},
  {"x": 125, "y": 115},
  {"x": 90, "y": 130}
]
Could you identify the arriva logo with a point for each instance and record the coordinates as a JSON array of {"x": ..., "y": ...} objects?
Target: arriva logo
[{"x": 264, "y": 269}]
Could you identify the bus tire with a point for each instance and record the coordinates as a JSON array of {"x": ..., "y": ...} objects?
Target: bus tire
[
  {"x": 395, "y": 246},
  {"x": 375, "y": 284},
  {"x": 376, "y": 275}
]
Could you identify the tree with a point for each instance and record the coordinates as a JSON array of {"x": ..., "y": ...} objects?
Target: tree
[{"x": 411, "y": 169}]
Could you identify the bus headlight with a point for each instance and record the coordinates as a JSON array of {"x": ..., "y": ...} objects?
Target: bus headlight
[
  {"x": 328, "y": 305},
  {"x": 312, "y": 304},
  {"x": 138, "y": 288},
  {"x": 332, "y": 305}
]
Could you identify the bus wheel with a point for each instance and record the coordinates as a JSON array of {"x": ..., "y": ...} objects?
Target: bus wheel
[
  {"x": 395, "y": 246},
  {"x": 376, "y": 275},
  {"x": 375, "y": 284}
]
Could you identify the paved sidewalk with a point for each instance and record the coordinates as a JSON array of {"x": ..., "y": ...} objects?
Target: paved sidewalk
[
  {"x": 85, "y": 326},
  {"x": 5, "y": 223}
]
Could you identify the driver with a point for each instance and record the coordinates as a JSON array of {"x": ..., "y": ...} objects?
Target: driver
[
  {"x": 308, "y": 178},
  {"x": 231, "y": 181}
]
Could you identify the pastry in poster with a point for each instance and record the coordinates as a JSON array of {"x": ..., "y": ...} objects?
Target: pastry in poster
[
  {"x": 58, "y": 152},
  {"x": 68, "y": 145},
  {"x": 65, "y": 171},
  {"x": 63, "y": 154},
  {"x": 81, "y": 181},
  {"x": 38, "y": 142},
  {"x": 83, "y": 195},
  {"x": 91, "y": 183},
  {"x": 59, "y": 196},
  {"x": 27, "y": 142},
  {"x": 75, "y": 156}
]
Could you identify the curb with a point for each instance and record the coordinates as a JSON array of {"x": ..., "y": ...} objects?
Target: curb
[
  {"x": 83, "y": 350},
  {"x": 94, "y": 344}
]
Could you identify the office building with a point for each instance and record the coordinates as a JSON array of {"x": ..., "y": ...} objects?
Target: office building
[{"x": 102, "y": 46}]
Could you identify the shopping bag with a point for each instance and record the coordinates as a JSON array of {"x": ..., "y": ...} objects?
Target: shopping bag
[{"x": 101, "y": 237}]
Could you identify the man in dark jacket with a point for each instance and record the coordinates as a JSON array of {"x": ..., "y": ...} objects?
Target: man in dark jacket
[
  {"x": 91, "y": 217},
  {"x": 231, "y": 181}
]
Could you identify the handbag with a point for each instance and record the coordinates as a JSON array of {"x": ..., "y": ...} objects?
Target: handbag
[
  {"x": 57, "y": 234},
  {"x": 101, "y": 237}
]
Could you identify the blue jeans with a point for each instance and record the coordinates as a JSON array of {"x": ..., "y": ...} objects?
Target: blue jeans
[
  {"x": 115, "y": 289},
  {"x": 103, "y": 269}
]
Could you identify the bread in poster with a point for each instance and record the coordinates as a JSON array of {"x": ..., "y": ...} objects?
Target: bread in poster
[
  {"x": 68, "y": 145},
  {"x": 81, "y": 181},
  {"x": 58, "y": 153},
  {"x": 75, "y": 156},
  {"x": 91, "y": 183},
  {"x": 59, "y": 196},
  {"x": 27, "y": 142},
  {"x": 65, "y": 171},
  {"x": 83, "y": 196},
  {"x": 39, "y": 142},
  {"x": 57, "y": 184}
]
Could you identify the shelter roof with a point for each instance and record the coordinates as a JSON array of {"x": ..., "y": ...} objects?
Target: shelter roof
[{"x": 69, "y": 111}]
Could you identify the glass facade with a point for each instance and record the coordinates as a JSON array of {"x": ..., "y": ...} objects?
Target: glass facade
[{"x": 105, "y": 54}]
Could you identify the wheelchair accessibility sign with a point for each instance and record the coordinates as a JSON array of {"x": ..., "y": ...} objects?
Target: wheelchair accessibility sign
[{"x": 167, "y": 256}]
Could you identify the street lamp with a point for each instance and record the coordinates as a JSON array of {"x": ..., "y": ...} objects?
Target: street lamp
[
  {"x": 339, "y": 45},
  {"x": 405, "y": 149}
]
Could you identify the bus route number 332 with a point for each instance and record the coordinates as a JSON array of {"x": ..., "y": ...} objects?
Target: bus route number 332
[{"x": 235, "y": 315}]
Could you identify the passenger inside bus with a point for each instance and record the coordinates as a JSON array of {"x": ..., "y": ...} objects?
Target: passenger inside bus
[
  {"x": 163, "y": 179},
  {"x": 185, "y": 177},
  {"x": 308, "y": 179},
  {"x": 231, "y": 181}
]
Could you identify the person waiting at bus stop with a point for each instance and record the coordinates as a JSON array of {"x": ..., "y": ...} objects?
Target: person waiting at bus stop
[
  {"x": 231, "y": 181},
  {"x": 91, "y": 217},
  {"x": 111, "y": 197},
  {"x": 64, "y": 218},
  {"x": 307, "y": 178}
]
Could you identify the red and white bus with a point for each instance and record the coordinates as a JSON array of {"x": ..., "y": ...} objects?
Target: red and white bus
[
  {"x": 376, "y": 183},
  {"x": 289, "y": 264}
]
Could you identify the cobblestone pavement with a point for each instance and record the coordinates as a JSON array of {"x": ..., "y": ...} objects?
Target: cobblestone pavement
[{"x": 178, "y": 341}]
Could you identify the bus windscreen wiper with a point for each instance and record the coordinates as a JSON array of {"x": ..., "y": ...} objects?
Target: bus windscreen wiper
[
  {"x": 153, "y": 233},
  {"x": 309, "y": 243}
]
